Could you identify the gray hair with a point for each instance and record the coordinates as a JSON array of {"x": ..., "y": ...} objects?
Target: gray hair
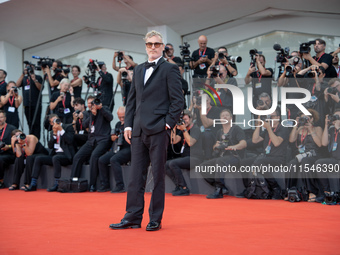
[{"x": 153, "y": 33}]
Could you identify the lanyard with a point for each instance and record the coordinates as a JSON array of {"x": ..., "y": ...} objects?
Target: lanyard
[
  {"x": 187, "y": 131},
  {"x": 313, "y": 90},
  {"x": 336, "y": 132},
  {"x": 200, "y": 52},
  {"x": 270, "y": 140},
  {"x": 2, "y": 83},
  {"x": 302, "y": 136},
  {"x": 81, "y": 124},
  {"x": 258, "y": 76},
  {"x": 63, "y": 102},
  {"x": 11, "y": 101},
  {"x": 3, "y": 132},
  {"x": 317, "y": 60}
]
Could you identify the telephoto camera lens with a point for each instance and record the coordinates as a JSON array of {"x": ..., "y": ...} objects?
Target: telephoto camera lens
[{"x": 57, "y": 121}]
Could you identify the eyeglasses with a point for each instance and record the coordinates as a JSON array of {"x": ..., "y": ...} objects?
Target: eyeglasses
[{"x": 156, "y": 44}]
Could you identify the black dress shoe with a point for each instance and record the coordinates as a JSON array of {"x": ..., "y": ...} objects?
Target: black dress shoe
[
  {"x": 2, "y": 185},
  {"x": 54, "y": 188},
  {"x": 104, "y": 188},
  {"x": 153, "y": 226},
  {"x": 93, "y": 188},
  {"x": 31, "y": 188},
  {"x": 124, "y": 224},
  {"x": 225, "y": 190},
  {"x": 118, "y": 189},
  {"x": 217, "y": 194}
]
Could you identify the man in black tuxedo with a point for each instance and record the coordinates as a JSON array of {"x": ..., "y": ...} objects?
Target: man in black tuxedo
[
  {"x": 154, "y": 105},
  {"x": 61, "y": 153}
]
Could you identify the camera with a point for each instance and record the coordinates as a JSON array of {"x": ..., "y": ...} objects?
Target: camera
[
  {"x": 331, "y": 198},
  {"x": 14, "y": 88},
  {"x": 100, "y": 64},
  {"x": 185, "y": 52},
  {"x": 44, "y": 62},
  {"x": 305, "y": 47},
  {"x": 332, "y": 90},
  {"x": 118, "y": 132},
  {"x": 332, "y": 118},
  {"x": 295, "y": 195},
  {"x": 180, "y": 121},
  {"x": 260, "y": 102},
  {"x": 289, "y": 68},
  {"x": 77, "y": 111},
  {"x": 220, "y": 148},
  {"x": 283, "y": 53},
  {"x": 197, "y": 96},
  {"x": 66, "y": 70},
  {"x": 2, "y": 144},
  {"x": 215, "y": 71},
  {"x": 252, "y": 54},
  {"x": 120, "y": 56},
  {"x": 30, "y": 67},
  {"x": 124, "y": 75},
  {"x": 308, "y": 154},
  {"x": 303, "y": 121},
  {"x": 96, "y": 101},
  {"x": 234, "y": 59},
  {"x": 57, "y": 121},
  {"x": 265, "y": 117},
  {"x": 21, "y": 137}
]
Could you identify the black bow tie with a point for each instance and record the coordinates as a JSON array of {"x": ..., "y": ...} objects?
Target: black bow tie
[{"x": 148, "y": 65}]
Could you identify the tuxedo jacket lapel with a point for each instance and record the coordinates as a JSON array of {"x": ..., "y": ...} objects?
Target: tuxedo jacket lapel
[{"x": 154, "y": 72}]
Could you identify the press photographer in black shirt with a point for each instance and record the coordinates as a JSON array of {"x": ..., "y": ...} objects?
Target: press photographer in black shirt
[
  {"x": 61, "y": 152},
  {"x": 98, "y": 141},
  {"x": 31, "y": 85},
  {"x": 10, "y": 103},
  {"x": 54, "y": 80},
  {"x": 6, "y": 153},
  {"x": 62, "y": 101},
  {"x": 105, "y": 86},
  {"x": 79, "y": 115},
  {"x": 119, "y": 154},
  {"x": 3, "y": 84}
]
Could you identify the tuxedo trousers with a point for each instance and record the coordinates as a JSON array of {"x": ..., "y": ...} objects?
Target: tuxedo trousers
[{"x": 146, "y": 149}]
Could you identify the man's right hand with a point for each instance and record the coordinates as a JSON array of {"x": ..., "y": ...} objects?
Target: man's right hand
[{"x": 127, "y": 136}]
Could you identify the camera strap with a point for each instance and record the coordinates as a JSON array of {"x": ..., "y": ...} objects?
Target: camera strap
[
  {"x": 270, "y": 140},
  {"x": 3, "y": 132},
  {"x": 259, "y": 77},
  {"x": 317, "y": 60},
  {"x": 200, "y": 53},
  {"x": 303, "y": 137}
]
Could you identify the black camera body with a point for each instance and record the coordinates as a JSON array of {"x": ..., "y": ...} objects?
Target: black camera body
[
  {"x": 57, "y": 121},
  {"x": 124, "y": 75},
  {"x": 215, "y": 71},
  {"x": 305, "y": 47},
  {"x": 260, "y": 102},
  {"x": 96, "y": 101},
  {"x": 332, "y": 117},
  {"x": 282, "y": 54},
  {"x": 120, "y": 56},
  {"x": 252, "y": 54},
  {"x": 21, "y": 136},
  {"x": 303, "y": 121},
  {"x": 180, "y": 121},
  {"x": 2, "y": 145},
  {"x": 44, "y": 62},
  {"x": 332, "y": 90},
  {"x": 296, "y": 195},
  {"x": 264, "y": 117},
  {"x": 332, "y": 198},
  {"x": 120, "y": 133}
]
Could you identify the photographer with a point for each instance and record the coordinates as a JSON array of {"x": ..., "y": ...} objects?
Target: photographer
[
  {"x": 222, "y": 59},
  {"x": 105, "y": 86},
  {"x": 220, "y": 76},
  {"x": 76, "y": 82},
  {"x": 31, "y": 85},
  {"x": 54, "y": 80},
  {"x": 191, "y": 153},
  {"x": 314, "y": 82},
  {"x": 229, "y": 149},
  {"x": 206, "y": 122},
  {"x": 168, "y": 54},
  {"x": 6, "y": 154},
  {"x": 275, "y": 142},
  {"x": 26, "y": 149},
  {"x": 289, "y": 78},
  {"x": 10, "y": 104},
  {"x": 321, "y": 59},
  {"x": 124, "y": 79},
  {"x": 3, "y": 84},
  {"x": 62, "y": 101},
  {"x": 79, "y": 115},
  {"x": 331, "y": 94},
  {"x": 335, "y": 63},
  {"x": 98, "y": 141},
  {"x": 120, "y": 153},
  {"x": 329, "y": 181},
  {"x": 128, "y": 60},
  {"x": 62, "y": 151},
  {"x": 260, "y": 77},
  {"x": 201, "y": 58},
  {"x": 307, "y": 139}
]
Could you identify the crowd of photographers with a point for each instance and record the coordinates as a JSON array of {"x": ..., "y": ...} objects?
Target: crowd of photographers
[{"x": 77, "y": 136}]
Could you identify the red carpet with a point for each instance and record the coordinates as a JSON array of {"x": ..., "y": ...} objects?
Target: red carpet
[{"x": 54, "y": 223}]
